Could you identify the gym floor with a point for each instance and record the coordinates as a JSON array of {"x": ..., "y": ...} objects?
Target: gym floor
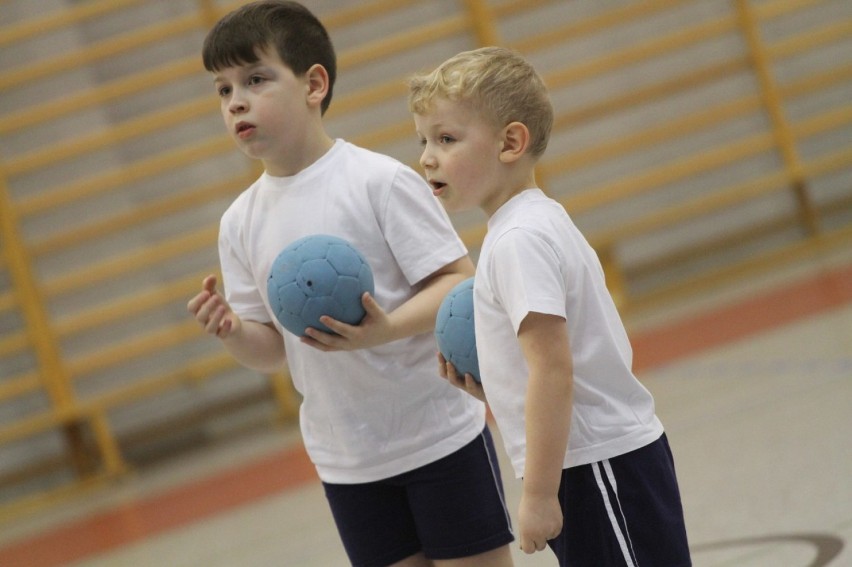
[{"x": 753, "y": 383}]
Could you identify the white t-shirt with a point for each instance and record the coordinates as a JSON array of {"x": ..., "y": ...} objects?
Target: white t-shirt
[
  {"x": 371, "y": 413},
  {"x": 534, "y": 259}
]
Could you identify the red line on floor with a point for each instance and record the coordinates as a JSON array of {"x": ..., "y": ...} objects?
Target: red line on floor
[
  {"x": 289, "y": 469},
  {"x": 774, "y": 308},
  {"x": 170, "y": 509}
]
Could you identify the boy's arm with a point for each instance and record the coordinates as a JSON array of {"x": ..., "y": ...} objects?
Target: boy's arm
[
  {"x": 258, "y": 346},
  {"x": 415, "y": 316},
  {"x": 254, "y": 345},
  {"x": 544, "y": 342}
]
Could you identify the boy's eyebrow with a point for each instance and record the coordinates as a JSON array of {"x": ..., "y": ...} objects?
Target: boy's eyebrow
[
  {"x": 435, "y": 126},
  {"x": 245, "y": 67}
]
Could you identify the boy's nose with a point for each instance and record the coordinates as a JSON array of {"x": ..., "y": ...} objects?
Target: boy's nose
[
  {"x": 237, "y": 105},
  {"x": 426, "y": 160}
]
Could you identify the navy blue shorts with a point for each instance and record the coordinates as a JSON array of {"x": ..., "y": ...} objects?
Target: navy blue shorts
[
  {"x": 624, "y": 511},
  {"x": 451, "y": 508}
]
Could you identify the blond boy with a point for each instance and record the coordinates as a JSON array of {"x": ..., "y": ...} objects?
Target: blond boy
[{"x": 599, "y": 484}]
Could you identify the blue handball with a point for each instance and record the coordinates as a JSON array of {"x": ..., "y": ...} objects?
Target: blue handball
[
  {"x": 318, "y": 275},
  {"x": 454, "y": 329}
]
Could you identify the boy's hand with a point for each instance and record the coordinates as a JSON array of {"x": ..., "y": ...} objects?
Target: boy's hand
[
  {"x": 539, "y": 520},
  {"x": 466, "y": 383},
  {"x": 211, "y": 310},
  {"x": 373, "y": 330}
]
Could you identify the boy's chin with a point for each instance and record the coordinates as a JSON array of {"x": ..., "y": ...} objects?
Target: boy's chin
[
  {"x": 451, "y": 205},
  {"x": 453, "y": 202}
]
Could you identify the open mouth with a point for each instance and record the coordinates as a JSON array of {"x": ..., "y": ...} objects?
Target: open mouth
[
  {"x": 244, "y": 129},
  {"x": 437, "y": 187}
]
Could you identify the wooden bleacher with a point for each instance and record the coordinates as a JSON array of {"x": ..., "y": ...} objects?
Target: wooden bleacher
[{"x": 696, "y": 143}]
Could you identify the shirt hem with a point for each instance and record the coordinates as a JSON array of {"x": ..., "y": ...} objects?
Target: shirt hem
[{"x": 406, "y": 463}]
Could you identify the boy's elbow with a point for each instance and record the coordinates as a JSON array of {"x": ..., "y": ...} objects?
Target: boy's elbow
[{"x": 462, "y": 268}]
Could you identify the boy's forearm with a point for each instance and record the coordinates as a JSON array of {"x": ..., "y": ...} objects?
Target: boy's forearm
[
  {"x": 544, "y": 342},
  {"x": 548, "y": 419},
  {"x": 257, "y": 346},
  {"x": 417, "y": 315}
]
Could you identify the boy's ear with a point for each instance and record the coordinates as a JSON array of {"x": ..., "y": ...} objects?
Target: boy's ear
[
  {"x": 516, "y": 141},
  {"x": 317, "y": 83}
]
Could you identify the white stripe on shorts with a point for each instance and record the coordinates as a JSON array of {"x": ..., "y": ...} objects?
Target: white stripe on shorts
[{"x": 623, "y": 538}]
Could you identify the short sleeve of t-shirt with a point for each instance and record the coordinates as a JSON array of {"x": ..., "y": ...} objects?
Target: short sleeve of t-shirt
[
  {"x": 526, "y": 275},
  {"x": 244, "y": 297},
  {"x": 417, "y": 228}
]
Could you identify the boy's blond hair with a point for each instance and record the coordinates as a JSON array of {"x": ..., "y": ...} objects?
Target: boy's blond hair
[{"x": 499, "y": 82}]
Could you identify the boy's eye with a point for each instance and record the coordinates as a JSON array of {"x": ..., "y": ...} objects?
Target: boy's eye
[
  {"x": 223, "y": 91},
  {"x": 255, "y": 80},
  {"x": 445, "y": 139}
]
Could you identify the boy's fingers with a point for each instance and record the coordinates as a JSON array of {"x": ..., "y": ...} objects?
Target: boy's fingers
[
  {"x": 196, "y": 303},
  {"x": 371, "y": 306},
  {"x": 320, "y": 336},
  {"x": 209, "y": 284},
  {"x": 451, "y": 372},
  {"x": 442, "y": 366},
  {"x": 338, "y": 327},
  {"x": 453, "y": 376},
  {"x": 217, "y": 317},
  {"x": 224, "y": 329},
  {"x": 208, "y": 290}
]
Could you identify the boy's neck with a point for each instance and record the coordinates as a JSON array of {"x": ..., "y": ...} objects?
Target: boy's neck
[
  {"x": 300, "y": 159},
  {"x": 518, "y": 180}
]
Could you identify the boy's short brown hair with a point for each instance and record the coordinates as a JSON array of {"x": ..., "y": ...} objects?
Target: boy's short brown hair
[
  {"x": 286, "y": 27},
  {"x": 499, "y": 82}
]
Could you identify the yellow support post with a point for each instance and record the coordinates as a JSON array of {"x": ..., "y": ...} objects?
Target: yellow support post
[
  {"x": 209, "y": 12},
  {"x": 285, "y": 394},
  {"x": 483, "y": 23},
  {"x": 54, "y": 375},
  {"x": 808, "y": 215},
  {"x": 615, "y": 280}
]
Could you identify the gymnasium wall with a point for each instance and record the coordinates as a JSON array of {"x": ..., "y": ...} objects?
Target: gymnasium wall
[{"x": 697, "y": 142}]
